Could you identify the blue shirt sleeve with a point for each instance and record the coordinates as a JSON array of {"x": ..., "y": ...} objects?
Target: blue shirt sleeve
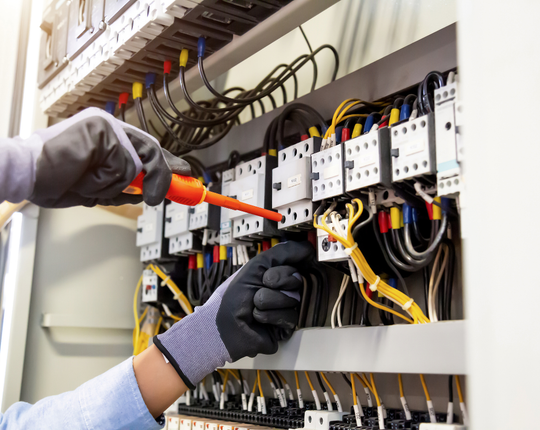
[{"x": 111, "y": 401}]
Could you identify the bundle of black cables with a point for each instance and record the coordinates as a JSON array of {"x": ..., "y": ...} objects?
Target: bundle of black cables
[{"x": 207, "y": 122}]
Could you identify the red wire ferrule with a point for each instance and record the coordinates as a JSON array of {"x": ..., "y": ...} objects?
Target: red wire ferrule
[
  {"x": 383, "y": 222},
  {"x": 266, "y": 245},
  {"x": 123, "y": 99},
  {"x": 429, "y": 208},
  {"x": 167, "y": 66},
  {"x": 192, "y": 263},
  {"x": 216, "y": 253}
]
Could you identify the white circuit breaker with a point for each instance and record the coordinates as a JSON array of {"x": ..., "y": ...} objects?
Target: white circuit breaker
[
  {"x": 181, "y": 240},
  {"x": 252, "y": 185},
  {"x": 413, "y": 148},
  {"x": 150, "y": 232},
  {"x": 329, "y": 249},
  {"x": 149, "y": 286},
  {"x": 367, "y": 160},
  {"x": 448, "y": 141},
  {"x": 291, "y": 183},
  {"x": 327, "y": 173},
  {"x": 226, "y": 223}
]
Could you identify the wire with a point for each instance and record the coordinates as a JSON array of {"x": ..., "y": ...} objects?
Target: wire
[
  {"x": 353, "y": 388},
  {"x": 459, "y": 392},
  {"x": 259, "y": 382},
  {"x": 315, "y": 68},
  {"x": 328, "y": 383},
  {"x": 297, "y": 380},
  {"x": 309, "y": 381},
  {"x": 158, "y": 326},
  {"x": 374, "y": 389},
  {"x": 424, "y": 386},
  {"x": 401, "y": 392}
]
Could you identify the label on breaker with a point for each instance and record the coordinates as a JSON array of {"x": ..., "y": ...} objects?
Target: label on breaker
[
  {"x": 148, "y": 227},
  {"x": 244, "y": 402},
  {"x": 357, "y": 416},
  {"x": 226, "y": 225},
  {"x": 201, "y": 209},
  {"x": 331, "y": 172},
  {"x": 179, "y": 216},
  {"x": 366, "y": 160},
  {"x": 300, "y": 398},
  {"x": 414, "y": 147},
  {"x": 246, "y": 195},
  {"x": 293, "y": 181}
]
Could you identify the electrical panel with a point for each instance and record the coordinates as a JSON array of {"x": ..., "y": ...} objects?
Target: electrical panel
[
  {"x": 181, "y": 240},
  {"x": 150, "y": 232},
  {"x": 291, "y": 184},
  {"x": 366, "y": 160},
  {"x": 87, "y": 43},
  {"x": 413, "y": 148},
  {"x": 253, "y": 186},
  {"x": 327, "y": 173},
  {"x": 449, "y": 178}
]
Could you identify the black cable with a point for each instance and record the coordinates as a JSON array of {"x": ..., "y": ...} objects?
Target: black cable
[
  {"x": 346, "y": 380},
  {"x": 278, "y": 379},
  {"x": 140, "y": 114},
  {"x": 315, "y": 68},
  {"x": 320, "y": 382},
  {"x": 425, "y": 276},
  {"x": 450, "y": 388},
  {"x": 450, "y": 279},
  {"x": 241, "y": 381},
  {"x": 123, "y": 112}
]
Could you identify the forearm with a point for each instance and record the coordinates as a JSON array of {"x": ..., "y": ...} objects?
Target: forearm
[
  {"x": 17, "y": 167},
  {"x": 158, "y": 382}
]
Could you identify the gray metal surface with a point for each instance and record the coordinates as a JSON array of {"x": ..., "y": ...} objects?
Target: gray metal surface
[{"x": 436, "y": 348}]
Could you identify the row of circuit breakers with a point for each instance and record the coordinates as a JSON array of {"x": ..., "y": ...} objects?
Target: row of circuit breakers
[
  {"x": 93, "y": 50},
  {"x": 301, "y": 176}
]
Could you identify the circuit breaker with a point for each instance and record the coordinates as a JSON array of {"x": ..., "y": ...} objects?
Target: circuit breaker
[
  {"x": 181, "y": 240},
  {"x": 291, "y": 183},
  {"x": 367, "y": 160},
  {"x": 327, "y": 173},
  {"x": 86, "y": 24},
  {"x": 149, "y": 286},
  {"x": 253, "y": 185},
  {"x": 449, "y": 179},
  {"x": 226, "y": 223},
  {"x": 329, "y": 249},
  {"x": 150, "y": 232},
  {"x": 413, "y": 148}
]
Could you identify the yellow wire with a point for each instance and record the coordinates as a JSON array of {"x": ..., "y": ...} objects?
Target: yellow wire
[
  {"x": 259, "y": 382},
  {"x": 459, "y": 392},
  {"x": 174, "y": 317},
  {"x": 184, "y": 302},
  {"x": 353, "y": 387},
  {"x": 392, "y": 294},
  {"x": 328, "y": 383},
  {"x": 254, "y": 386},
  {"x": 268, "y": 376},
  {"x": 281, "y": 377},
  {"x": 297, "y": 381},
  {"x": 424, "y": 386},
  {"x": 367, "y": 383},
  {"x": 234, "y": 374},
  {"x": 158, "y": 326},
  {"x": 309, "y": 381},
  {"x": 375, "y": 390},
  {"x": 225, "y": 379},
  {"x": 401, "y": 392},
  {"x": 136, "y": 315}
]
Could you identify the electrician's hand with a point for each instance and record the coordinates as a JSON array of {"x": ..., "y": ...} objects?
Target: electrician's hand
[
  {"x": 90, "y": 158},
  {"x": 247, "y": 315}
]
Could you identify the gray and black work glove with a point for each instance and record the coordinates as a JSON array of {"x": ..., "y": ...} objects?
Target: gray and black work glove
[
  {"x": 247, "y": 315},
  {"x": 90, "y": 158}
]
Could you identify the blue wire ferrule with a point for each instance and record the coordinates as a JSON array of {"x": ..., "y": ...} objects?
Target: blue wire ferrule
[
  {"x": 445, "y": 203},
  {"x": 338, "y": 134},
  {"x": 392, "y": 282},
  {"x": 201, "y": 47},
  {"x": 229, "y": 253},
  {"x": 206, "y": 176},
  {"x": 406, "y": 213},
  {"x": 208, "y": 258},
  {"x": 110, "y": 107},
  {"x": 414, "y": 217},
  {"x": 370, "y": 120},
  {"x": 405, "y": 112},
  {"x": 150, "y": 79}
]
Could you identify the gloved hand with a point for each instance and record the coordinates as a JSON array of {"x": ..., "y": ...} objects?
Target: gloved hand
[
  {"x": 247, "y": 315},
  {"x": 90, "y": 158}
]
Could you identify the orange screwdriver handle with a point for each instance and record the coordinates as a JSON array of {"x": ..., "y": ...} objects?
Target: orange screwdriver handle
[{"x": 191, "y": 192}]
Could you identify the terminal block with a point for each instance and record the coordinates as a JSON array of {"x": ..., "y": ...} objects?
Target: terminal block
[
  {"x": 413, "y": 148},
  {"x": 367, "y": 160},
  {"x": 439, "y": 426},
  {"x": 447, "y": 135},
  {"x": 327, "y": 173},
  {"x": 150, "y": 233},
  {"x": 291, "y": 183},
  {"x": 320, "y": 420},
  {"x": 253, "y": 186},
  {"x": 328, "y": 248},
  {"x": 181, "y": 240}
]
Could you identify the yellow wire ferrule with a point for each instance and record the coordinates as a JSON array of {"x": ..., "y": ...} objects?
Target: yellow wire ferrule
[
  {"x": 437, "y": 211},
  {"x": 395, "y": 217},
  {"x": 274, "y": 241},
  {"x": 314, "y": 132},
  {"x": 184, "y": 55},
  {"x": 222, "y": 253},
  {"x": 357, "y": 131},
  {"x": 272, "y": 152},
  {"x": 394, "y": 116},
  {"x": 137, "y": 90},
  {"x": 200, "y": 261}
]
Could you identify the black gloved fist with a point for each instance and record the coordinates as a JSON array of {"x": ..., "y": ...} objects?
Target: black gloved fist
[{"x": 90, "y": 158}]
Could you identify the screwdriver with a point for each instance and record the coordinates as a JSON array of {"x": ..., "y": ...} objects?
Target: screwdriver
[{"x": 189, "y": 191}]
